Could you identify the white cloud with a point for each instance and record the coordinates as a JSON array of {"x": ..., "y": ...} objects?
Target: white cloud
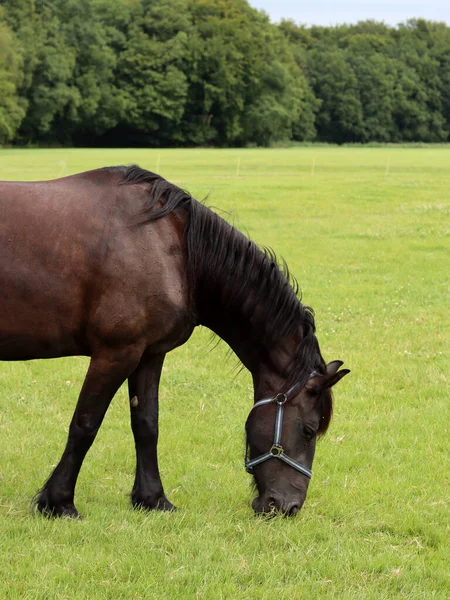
[{"x": 325, "y": 12}]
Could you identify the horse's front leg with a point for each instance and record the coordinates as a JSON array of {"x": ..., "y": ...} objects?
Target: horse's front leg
[
  {"x": 143, "y": 386},
  {"x": 107, "y": 371}
]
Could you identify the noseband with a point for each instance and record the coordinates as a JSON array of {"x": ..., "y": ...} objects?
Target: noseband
[{"x": 276, "y": 451}]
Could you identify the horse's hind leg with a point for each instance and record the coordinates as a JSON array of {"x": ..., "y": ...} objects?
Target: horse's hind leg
[
  {"x": 143, "y": 388},
  {"x": 107, "y": 371}
]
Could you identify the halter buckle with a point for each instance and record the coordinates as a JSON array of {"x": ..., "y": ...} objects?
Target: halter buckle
[
  {"x": 281, "y": 399},
  {"x": 276, "y": 450}
]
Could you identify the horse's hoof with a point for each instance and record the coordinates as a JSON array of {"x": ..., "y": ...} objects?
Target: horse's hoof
[
  {"x": 70, "y": 513},
  {"x": 52, "y": 511},
  {"x": 164, "y": 504},
  {"x": 159, "y": 504}
]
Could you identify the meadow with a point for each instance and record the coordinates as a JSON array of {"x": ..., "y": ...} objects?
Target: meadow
[{"x": 366, "y": 233}]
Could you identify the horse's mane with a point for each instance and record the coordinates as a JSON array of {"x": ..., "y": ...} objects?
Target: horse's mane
[{"x": 249, "y": 282}]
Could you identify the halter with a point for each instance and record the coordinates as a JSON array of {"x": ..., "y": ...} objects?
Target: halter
[{"x": 276, "y": 451}]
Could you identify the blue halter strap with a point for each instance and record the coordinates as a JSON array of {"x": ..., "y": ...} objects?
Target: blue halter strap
[{"x": 276, "y": 451}]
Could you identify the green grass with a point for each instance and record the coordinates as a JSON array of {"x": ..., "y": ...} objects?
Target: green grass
[{"x": 366, "y": 232}]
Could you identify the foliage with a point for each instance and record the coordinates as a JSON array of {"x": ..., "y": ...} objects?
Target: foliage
[
  {"x": 11, "y": 106},
  {"x": 214, "y": 72}
]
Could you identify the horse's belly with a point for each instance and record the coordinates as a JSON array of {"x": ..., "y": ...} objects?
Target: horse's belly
[
  {"x": 23, "y": 347},
  {"x": 42, "y": 280},
  {"x": 27, "y": 333},
  {"x": 38, "y": 319}
]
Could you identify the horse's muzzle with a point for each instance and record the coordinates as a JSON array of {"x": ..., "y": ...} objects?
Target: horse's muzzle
[{"x": 273, "y": 504}]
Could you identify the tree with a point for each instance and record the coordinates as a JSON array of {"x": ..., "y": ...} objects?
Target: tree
[
  {"x": 190, "y": 72},
  {"x": 299, "y": 38},
  {"x": 12, "y": 109},
  {"x": 376, "y": 74},
  {"x": 244, "y": 84},
  {"x": 335, "y": 83},
  {"x": 419, "y": 115},
  {"x": 151, "y": 71}
]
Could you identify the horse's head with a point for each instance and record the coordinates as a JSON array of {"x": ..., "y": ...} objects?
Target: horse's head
[{"x": 281, "y": 441}]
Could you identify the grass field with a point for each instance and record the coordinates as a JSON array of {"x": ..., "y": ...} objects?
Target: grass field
[{"x": 366, "y": 233}]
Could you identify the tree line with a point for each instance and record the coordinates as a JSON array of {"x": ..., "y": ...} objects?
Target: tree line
[{"x": 214, "y": 72}]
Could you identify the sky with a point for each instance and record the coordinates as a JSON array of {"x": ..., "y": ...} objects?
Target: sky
[{"x": 329, "y": 12}]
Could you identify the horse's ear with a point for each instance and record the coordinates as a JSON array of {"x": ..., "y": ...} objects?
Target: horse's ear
[
  {"x": 331, "y": 380},
  {"x": 332, "y": 367},
  {"x": 331, "y": 377}
]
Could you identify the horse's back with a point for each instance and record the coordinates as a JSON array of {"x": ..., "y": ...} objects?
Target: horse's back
[{"x": 72, "y": 270}]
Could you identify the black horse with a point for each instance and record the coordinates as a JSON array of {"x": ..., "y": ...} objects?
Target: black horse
[{"x": 120, "y": 265}]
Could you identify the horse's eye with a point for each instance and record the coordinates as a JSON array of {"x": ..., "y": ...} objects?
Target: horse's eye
[{"x": 309, "y": 432}]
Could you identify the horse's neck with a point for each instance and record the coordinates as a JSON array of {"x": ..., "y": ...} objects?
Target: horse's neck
[
  {"x": 240, "y": 293},
  {"x": 266, "y": 364}
]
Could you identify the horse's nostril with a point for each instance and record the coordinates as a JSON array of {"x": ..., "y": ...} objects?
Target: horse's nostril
[
  {"x": 292, "y": 509},
  {"x": 271, "y": 503},
  {"x": 266, "y": 505},
  {"x": 270, "y": 506}
]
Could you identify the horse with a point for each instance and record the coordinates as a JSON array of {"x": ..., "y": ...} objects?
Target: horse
[{"x": 120, "y": 265}]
